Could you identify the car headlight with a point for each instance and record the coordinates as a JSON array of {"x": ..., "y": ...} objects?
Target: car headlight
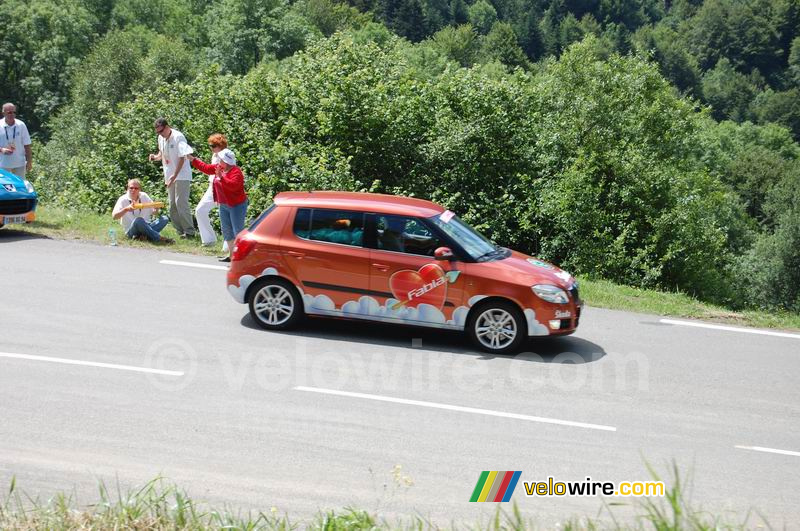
[
  {"x": 550, "y": 293},
  {"x": 28, "y": 186}
]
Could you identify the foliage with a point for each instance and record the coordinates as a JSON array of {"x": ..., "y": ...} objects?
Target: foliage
[
  {"x": 39, "y": 46},
  {"x": 794, "y": 62},
  {"x": 769, "y": 274},
  {"x": 123, "y": 63},
  {"x": 688, "y": 39},
  {"x": 482, "y": 15},
  {"x": 459, "y": 45},
  {"x": 329, "y": 16},
  {"x": 501, "y": 45},
  {"x": 743, "y": 32},
  {"x": 728, "y": 92},
  {"x": 653, "y": 224},
  {"x": 751, "y": 159},
  {"x": 675, "y": 61},
  {"x": 176, "y": 19},
  {"x": 778, "y": 107}
]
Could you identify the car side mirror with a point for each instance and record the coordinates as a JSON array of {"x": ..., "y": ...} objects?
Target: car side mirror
[{"x": 444, "y": 253}]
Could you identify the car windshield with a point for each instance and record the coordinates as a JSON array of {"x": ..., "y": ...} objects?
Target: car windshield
[{"x": 478, "y": 246}]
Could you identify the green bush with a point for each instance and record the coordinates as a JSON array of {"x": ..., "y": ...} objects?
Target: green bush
[{"x": 769, "y": 273}]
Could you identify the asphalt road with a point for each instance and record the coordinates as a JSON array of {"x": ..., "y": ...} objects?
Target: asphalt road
[{"x": 320, "y": 417}]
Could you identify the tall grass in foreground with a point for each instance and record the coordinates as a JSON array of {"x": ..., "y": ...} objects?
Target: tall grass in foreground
[{"x": 159, "y": 505}]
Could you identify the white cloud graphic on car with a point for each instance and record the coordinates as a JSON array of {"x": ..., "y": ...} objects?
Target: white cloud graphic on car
[{"x": 390, "y": 312}]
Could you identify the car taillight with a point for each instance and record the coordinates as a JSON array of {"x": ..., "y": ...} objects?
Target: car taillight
[{"x": 242, "y": 248}]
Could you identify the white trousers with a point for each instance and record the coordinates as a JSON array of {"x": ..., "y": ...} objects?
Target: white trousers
[{"x": 202, "y": 213}]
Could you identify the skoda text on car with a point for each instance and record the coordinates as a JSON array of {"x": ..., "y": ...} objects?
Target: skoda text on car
[
  {"x": 397, "y": 260},
  {"x": 17, "y": 199}
]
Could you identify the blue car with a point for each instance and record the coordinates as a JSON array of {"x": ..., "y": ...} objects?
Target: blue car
[{"x": 17, "y": 199}]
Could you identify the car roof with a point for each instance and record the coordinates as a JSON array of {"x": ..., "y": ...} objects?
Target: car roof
[{"x": 363, "y": 202}]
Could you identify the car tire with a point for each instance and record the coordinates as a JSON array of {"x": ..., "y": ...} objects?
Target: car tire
[
  {"x": 275, "y": 304},
  {"x": 498, "y": 327}
]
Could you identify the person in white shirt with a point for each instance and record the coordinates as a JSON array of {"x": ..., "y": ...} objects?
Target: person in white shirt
[
  {"x": 137, "y": 221},
  {"x": 172, "y": 151},
  {"x": 15, "y": 143}
]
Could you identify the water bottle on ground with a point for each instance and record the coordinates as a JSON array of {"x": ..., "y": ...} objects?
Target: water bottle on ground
[{"x": 112, "y": 235}]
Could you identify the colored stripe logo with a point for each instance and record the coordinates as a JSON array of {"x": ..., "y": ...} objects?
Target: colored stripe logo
[{"x": 494, "y": 486}]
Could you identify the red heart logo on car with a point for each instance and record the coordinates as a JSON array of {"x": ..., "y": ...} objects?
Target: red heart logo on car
[{"x": 412, "y": 288}]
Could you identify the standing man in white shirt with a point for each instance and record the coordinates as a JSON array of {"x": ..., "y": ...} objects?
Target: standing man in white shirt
[
  {"x": 172, "y": 151},
  {"x": 15, "y": 143}
]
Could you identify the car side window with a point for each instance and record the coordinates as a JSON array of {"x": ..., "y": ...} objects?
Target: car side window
[
  {"x": 405, "y": 235},
  {"x": 302, "y": 222},
  {"x": 332, "y": 226}
]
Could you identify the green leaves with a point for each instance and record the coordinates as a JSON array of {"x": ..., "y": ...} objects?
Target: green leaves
[{"x": 38, "y": 51}]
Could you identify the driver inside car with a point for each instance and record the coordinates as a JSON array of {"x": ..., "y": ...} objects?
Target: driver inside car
[{"x": 392, "y": 237}]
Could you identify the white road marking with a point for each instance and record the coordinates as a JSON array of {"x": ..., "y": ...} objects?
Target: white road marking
[
  {"x": 90, "y": 364},
  {"x": 456, "y": 408},
  {"x": 731, "y": 328},
  {"x": 768, "y": 450},
  {"x": 193, "y": 264}
]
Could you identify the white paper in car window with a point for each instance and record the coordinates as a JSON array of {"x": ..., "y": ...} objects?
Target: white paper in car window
[{"x": 446, "y": 216}]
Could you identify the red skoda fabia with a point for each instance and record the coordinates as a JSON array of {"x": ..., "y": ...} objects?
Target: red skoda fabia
[{"x": 397, "y": 260}]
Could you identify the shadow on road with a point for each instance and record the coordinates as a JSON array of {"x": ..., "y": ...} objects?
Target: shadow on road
[
  {"x": 11, "y": 235},
  {"x": 564, "y": 350}
]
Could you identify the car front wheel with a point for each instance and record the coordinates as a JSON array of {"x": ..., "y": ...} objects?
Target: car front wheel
[
  {"x": 275, "y": 304},
  {"x": 497, "y": 327}
]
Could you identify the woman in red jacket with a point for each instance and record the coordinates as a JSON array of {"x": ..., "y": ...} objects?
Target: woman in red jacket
[{"x": 229, "y": 193}]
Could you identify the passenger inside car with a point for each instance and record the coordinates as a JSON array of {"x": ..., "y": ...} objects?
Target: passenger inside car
[{"x": 328, "y": 227}]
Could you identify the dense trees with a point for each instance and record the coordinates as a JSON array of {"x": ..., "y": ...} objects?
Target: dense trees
[
  {"x": 653, "y": 143},
  {"x": 746, "y": 44},
  {"x": 740, "y": 58},
  {"x": 40, "y": 47}
]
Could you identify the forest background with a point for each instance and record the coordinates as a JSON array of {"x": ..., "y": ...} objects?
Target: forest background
[{"x": 651, "y": 143}]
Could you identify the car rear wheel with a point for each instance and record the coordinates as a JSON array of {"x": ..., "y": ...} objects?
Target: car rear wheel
[
  {"x": 497, "y": 327},
  {"x": 275, "y": 304}
]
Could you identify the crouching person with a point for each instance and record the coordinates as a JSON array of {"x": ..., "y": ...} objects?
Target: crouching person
[{"x": 137, "y": 221}]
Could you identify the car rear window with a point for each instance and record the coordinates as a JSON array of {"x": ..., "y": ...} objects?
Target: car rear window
[
  {"x": 261, "y": 218},
  {"x": 333, "y": 226}
]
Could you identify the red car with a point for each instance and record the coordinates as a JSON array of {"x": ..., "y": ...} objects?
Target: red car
[{"x": 397, "y": 260}]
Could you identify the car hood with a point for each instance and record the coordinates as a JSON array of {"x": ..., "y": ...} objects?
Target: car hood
[
  {"x": 12, "y": 187},
  {"x": 523, "y": 269}
]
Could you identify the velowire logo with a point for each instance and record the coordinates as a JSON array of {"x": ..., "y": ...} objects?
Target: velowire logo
[{"x": 494, "y": 486}]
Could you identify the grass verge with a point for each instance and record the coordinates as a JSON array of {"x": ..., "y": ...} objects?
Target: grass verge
[
  {"x": 63, "y": 224},
  {"x": 59, "y": 223},
  {"x": 159, "y": 505},
  {"x": 605, "y": 294}
]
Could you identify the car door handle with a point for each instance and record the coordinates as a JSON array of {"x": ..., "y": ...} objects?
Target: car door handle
[
  {"x": 296, "y": 254},
  {"x": 382, "y": 267}
]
